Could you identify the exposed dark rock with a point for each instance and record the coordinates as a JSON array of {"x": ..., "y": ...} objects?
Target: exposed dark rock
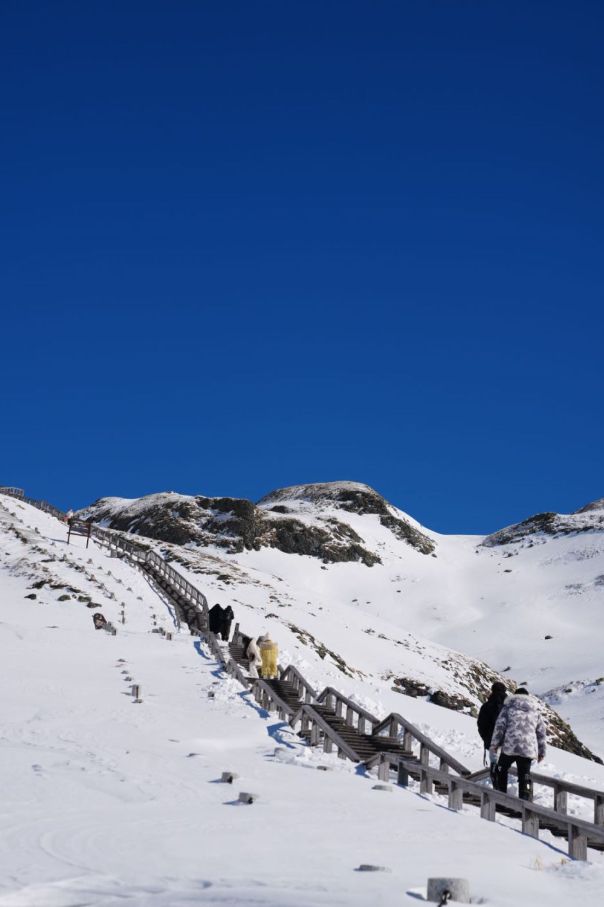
[
  {"x": 233, "y": 524},
  {"x": 589, "y": 519},
  {"x": 354, "y": 497},
  {"x": 453, "y": 701},
  {"x": 407, "y": 533},
  {"x": 410, "y": 687}
]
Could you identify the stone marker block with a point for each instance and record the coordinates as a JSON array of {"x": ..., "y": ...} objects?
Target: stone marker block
[
  {"x": 459, "y": 890},
  {"x": 228, "y": 777},
  {"x": 382, "y": 787},
  {"x": 324, "y": 768},
  {"x": 245, "y": 797},
  {"x": 369, "y": 867}
]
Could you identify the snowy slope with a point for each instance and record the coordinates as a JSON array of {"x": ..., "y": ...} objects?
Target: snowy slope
[
  {"x": 495, "y": 600},
  {"x": 106, "y": 801}
]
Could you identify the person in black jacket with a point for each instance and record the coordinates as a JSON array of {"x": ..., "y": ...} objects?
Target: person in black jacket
[
  {"x": 215, "y": 618},
  {"x": 489, "y": 712},
  {"x": 226, "y": 621}
]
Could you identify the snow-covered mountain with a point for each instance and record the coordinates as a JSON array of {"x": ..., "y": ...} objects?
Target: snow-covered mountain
[
  {"x": 109, "y": 800},
  {"x": 521, "y": 604},
  {"x": 305, "y": 519}
]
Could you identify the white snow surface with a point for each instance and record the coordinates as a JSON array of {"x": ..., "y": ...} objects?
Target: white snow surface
[
  {"x": 529, "y": 609},
  {"x": 107, "y": 801}
]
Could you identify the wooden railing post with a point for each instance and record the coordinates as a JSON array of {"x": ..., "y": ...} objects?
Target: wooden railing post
[
  {"x": 425, "y": 782},
  {"x": 577, "y": 842},
  {"x": 424, "y": 755},
  {"x": 402, "y": 776},
  {"x": 408, "y": 741},
  {"x": 327, "y": 744},
  {"x": 487, "y": 806},
  {"x": 384, "y": 769},
  {"x": 530, "y": 822},
  {"x": 455, "y": 796},
  {"x": 599, "y": 809},
  {"x": 560, "y": 799},
  {"x": 314, "y": 734}
]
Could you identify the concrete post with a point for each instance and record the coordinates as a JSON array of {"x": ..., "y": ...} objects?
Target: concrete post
[{"x": 459, "y": 890}]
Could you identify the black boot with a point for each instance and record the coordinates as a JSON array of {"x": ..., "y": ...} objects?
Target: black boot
[{"x": 525, "y": 788}]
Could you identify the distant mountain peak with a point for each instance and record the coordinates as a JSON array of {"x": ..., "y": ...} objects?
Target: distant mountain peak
[{"x": 593, "y": 505}]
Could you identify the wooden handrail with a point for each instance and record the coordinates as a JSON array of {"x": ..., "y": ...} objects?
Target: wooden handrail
[
  {"x": 266, "y": 695},
  {"x": 293, "y": 675},
  {"x": 307, "y": 715},
  {"x": 12, "y": 491},
  {"x": 561, "y": 789},
  {"x": 410, "y": 731},
  {"x": 578, "y": 832},
  {"x": 363, "y": 714}
]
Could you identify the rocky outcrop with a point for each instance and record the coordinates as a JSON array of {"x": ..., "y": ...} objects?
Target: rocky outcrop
[
  {"x": 593, "y": 505},
  {"x": 233, "y": 524},
  {"x": 351, "y": 497},
  {"x": 589, "y": 518},
  {"x": 306, "y": 519}
]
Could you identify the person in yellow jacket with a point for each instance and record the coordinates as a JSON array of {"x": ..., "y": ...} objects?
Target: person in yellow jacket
[{"x": 269, "y": 653}]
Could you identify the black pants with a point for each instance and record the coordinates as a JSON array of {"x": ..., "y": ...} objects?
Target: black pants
[{"x": 523, "y": 766}]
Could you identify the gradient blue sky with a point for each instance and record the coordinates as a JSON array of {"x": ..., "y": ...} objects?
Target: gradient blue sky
[{"x": 251, "y": 244}]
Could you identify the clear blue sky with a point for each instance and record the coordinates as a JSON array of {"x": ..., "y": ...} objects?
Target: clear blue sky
[{"x": 251, "y": 244}]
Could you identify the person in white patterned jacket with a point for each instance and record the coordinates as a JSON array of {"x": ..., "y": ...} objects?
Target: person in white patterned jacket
[{"x": 520, "y": 733}]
